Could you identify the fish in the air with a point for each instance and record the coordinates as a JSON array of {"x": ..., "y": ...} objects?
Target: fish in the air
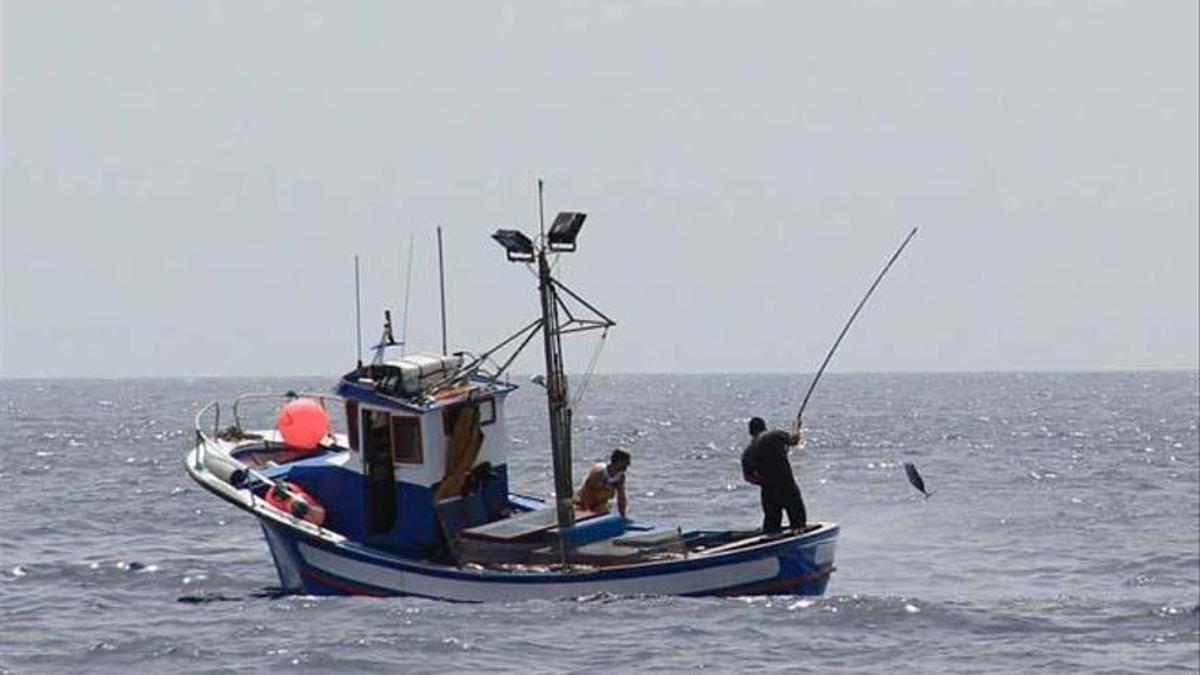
[{"x": 915, "y": 478}]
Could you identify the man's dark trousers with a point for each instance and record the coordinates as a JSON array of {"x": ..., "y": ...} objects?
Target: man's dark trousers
[{"x": 780, "y": 496}]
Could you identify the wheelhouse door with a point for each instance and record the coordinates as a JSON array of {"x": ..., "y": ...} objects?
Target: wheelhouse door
[{"x": 380, "y": 492}]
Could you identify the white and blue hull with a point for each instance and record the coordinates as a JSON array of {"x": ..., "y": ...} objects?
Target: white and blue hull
[
  {"x": 318, "y": 560},
  {"x": 793, "y": 565}
]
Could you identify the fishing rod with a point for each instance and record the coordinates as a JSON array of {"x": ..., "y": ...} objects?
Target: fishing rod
[
  {"x": 910, "y": 471},
  {"x": 845, "y": 328}
]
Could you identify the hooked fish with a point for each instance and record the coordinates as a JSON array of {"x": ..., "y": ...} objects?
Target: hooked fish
[{"x": 914, "y": 477}]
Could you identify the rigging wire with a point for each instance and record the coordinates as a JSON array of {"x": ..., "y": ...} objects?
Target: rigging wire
[{"x": 591, "y": 370}]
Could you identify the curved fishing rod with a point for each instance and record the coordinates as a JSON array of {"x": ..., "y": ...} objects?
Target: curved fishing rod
[{"x": 845, "y": 328}]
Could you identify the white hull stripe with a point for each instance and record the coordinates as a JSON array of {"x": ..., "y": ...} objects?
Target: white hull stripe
[{"x": 413, "y": 583}]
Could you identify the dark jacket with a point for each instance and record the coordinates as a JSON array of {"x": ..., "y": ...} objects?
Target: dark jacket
[{"x": 767, "y": 458}]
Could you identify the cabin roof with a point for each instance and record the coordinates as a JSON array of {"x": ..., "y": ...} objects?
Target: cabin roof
[{"x": 355, "y": 386}]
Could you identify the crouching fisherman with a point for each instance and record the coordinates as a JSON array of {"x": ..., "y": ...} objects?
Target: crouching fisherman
[{"x": 601, "y": 482}]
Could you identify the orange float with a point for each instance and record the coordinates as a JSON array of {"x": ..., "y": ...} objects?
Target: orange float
[{"x": 303, "y": 423}]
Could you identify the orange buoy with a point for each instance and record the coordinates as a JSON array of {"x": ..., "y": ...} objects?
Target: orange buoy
[
  {"x": 303, "y": 422},
  {"x": 292, "y": 499}
]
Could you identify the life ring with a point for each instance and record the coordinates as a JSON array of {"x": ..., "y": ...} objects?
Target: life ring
[{"x": 293, "y": 500}]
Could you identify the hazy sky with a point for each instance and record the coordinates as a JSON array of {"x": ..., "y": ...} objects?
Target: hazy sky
[{"x": 186, "y": 183}]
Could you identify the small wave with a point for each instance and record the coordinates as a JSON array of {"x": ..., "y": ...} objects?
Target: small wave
[{"x": 205, "y": 597}]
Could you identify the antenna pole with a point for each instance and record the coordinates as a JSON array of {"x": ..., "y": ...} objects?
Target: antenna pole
[
  {"x": 442, "y": 284},
  {"x": 407, "y": 286},
  {"x": 541, "y": 213},
  {"x": 358, "y": 312}
]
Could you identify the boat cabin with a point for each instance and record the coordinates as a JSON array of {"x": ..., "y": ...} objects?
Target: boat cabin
[{"x": 426, "y": 456}]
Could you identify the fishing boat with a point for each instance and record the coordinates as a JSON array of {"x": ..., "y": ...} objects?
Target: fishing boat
[{"x": 413, "y": 499}]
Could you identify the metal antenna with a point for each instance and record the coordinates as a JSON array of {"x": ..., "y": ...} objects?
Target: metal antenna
[
  {"x": 407, "y": 286},
  {"x": 442, "y": 284},
  {"x": 541, "y": 214},
  {"x": 358, "y": 312}
]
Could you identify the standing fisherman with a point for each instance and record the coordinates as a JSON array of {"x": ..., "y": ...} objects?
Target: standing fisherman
[
  {"x": 765, "y": 464},
  {"x": 765, "y": 461}
]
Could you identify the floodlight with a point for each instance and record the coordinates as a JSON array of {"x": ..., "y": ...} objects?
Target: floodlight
[
  {"x": 564, "y": 230},
  {"x": 516, "y": 245}
]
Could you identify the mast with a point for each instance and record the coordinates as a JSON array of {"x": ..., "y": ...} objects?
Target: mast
[
  {"x": 561, "y": 238},
  {"x": 556, "y": 395}
]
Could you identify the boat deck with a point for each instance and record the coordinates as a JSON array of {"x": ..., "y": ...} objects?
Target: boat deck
[{"x": 522, "y": 525}]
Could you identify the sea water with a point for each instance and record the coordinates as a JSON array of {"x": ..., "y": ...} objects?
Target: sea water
[{"x": 1061, "y": 534}]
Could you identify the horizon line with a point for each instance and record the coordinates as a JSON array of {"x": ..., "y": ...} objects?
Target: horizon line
[{"x": 1045, "y": 371}]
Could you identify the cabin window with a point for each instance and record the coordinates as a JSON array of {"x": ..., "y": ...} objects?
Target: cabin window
[
  {"x": 406, "y": 440},
  {"x": 352, "y": 423},
  {"x": 487, "y": 414}
]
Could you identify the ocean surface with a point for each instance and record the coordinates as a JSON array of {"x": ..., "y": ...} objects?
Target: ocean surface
[{"x": 1062, "y": 535}]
